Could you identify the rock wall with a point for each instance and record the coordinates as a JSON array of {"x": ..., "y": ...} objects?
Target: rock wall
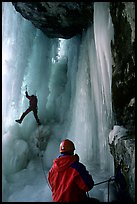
[
  {"x": 122, "y": 148},
  {"x": 123, "y": 89},
  {"x": 57, "y": 19},
  {"x": 123, "y": 51}
]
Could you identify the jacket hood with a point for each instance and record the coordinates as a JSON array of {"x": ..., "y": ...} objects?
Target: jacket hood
[{"x": 64, "y": 162}]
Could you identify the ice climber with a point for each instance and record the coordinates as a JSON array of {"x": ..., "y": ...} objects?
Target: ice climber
[
  {"x": 32, "y": 107},
  {"x": 68, "y": 178}
]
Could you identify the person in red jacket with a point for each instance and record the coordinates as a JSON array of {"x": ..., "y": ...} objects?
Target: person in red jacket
[
  {"x": 68, "y": 178},
  {"x": 33, "y": 107}
]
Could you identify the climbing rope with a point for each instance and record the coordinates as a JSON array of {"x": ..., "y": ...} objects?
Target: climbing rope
[{"x": 42, "y": 163}]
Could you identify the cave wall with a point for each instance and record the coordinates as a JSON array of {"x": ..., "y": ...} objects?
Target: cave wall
[
  {"x": 122, "y": 147},
  {"x": 123, "y": 52},
  {"x": 57, "y": 19},
  {"x": 123, "y": 90}
]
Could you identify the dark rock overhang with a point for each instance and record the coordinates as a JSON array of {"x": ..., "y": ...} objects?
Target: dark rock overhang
[{"x": 57, "y": 19}]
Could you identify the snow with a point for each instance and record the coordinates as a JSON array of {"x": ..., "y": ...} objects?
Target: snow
[
  {"x": 116, "y": 133},
  {"x": 72, "y": 80}
]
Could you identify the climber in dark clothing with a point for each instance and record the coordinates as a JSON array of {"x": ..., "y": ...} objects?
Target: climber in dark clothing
[{"x": 32, "y": 107}]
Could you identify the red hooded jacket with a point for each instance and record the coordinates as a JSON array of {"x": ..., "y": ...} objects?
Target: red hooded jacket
[{"x": 69, "y": 179}]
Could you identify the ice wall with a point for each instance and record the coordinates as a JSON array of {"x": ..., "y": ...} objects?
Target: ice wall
[
  {"x": 92, "y": 110},
  {"x": 26, "y": 60},
  {"x": 72, "y": 79}
]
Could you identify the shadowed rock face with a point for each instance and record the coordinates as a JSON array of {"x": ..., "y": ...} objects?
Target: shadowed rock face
[
  {"x": 123, "y": 88},
  {"x": 57, "y": 19},
  {"x": 123, "y": 52},
  {"x": 122, "y": 147}
]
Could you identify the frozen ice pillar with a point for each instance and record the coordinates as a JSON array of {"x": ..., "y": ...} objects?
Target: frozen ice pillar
[{"x": 92, "y": 110}]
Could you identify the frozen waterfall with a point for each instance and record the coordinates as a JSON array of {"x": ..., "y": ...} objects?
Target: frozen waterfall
[{"x": 72, "y": 80}]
